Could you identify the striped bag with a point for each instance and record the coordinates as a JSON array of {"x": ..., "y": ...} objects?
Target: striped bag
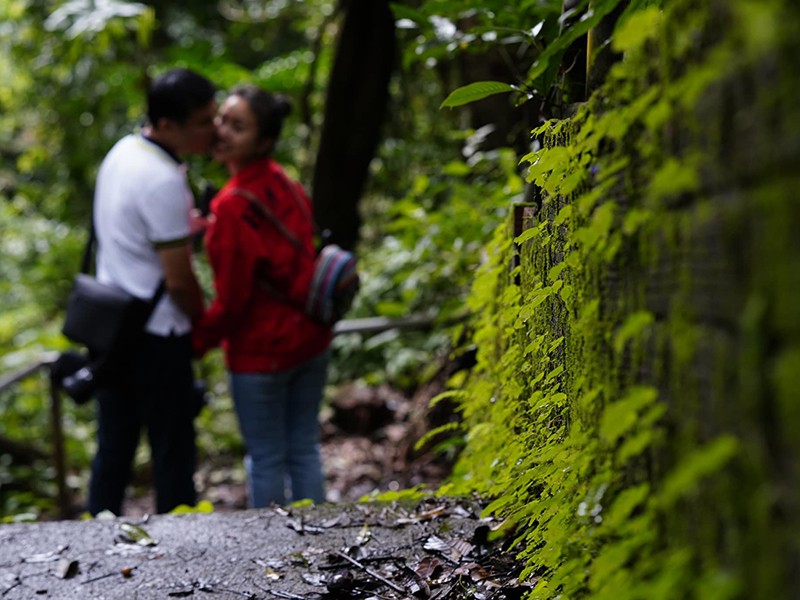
[
  {"x": 335, "y": 281},
  {"x": 334, "y": 285}
]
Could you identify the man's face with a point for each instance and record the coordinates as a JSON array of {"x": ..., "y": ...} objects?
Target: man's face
[{"x": 197, "y": 133}]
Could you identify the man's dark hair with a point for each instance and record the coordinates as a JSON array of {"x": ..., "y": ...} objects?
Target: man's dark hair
[{"x": 176, "y": 94}]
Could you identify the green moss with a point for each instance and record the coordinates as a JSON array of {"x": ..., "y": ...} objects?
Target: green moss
[{"x": 634, "y": 408}]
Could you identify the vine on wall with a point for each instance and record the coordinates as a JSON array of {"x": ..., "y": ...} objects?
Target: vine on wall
[{"x": 631, "y": 410}]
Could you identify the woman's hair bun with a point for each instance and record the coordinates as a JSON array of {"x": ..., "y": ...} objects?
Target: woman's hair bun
[
  {"x": 270, "y": 109},
  {"x": 283, "y": 107}
]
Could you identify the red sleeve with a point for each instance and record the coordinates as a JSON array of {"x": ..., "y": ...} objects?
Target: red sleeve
[{"x": 232, "y": 253}]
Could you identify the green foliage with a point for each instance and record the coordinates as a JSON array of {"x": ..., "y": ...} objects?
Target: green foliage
[
  {"x": 415, "y": 494},
  {"x": 463, "y": 27},
  {"x": 424, "y": 263},
  {"x": 35, "y": 252},
  {"x": 73, "y": 76},
  {"x": 607, "y": 416},
  {"x": 475, "y": 91},
  {"x": 202, "y": 507},
  {"x": 444, "y": 31},
  {"x": 584, "y": 16}
]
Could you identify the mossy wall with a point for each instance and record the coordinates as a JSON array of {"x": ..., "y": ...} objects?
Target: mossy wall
[{"x": 635, "y": 410}]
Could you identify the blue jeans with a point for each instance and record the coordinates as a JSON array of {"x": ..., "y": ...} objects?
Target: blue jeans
[{"x": 279, "y": 420}]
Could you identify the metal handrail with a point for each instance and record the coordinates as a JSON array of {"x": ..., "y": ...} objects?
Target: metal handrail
[
  {"x": 46, "y": 362},
  {"x": 381, "y": 324}
]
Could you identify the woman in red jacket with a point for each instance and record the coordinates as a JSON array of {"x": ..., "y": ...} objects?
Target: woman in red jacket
[{"x": 277, "y": 356}]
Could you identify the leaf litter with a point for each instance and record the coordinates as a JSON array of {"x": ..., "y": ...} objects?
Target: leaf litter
[{"x": 437, "y": 563}]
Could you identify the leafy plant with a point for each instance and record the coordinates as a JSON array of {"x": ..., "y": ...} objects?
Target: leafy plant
[
  {"x": 585, "y": 418},
  {"x": 424, "y": 265}
]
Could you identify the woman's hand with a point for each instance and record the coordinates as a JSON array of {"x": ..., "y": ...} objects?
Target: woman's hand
[{"x": 198, "y": 223}]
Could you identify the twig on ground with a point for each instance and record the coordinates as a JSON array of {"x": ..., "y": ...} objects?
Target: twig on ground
[
  {"x": 372, "y": 573},
  {"x": 248, "y": 595},
  {"x": 99, "y": 577},
  {"x": 279, "y": 594},
  {"x": 16, "y": 582}
]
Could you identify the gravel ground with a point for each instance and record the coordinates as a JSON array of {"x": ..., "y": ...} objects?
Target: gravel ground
[{"x": 431, "y": 549}]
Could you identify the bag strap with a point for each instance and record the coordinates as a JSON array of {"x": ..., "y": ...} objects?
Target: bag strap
[
  {"x": 323, "y": 236},
  {"x": 259, "y": 205},
  {"x": 292, "y": 187},
  {"x": 266, "y": 212},
  {"x": 162, "y": 286},
  {"x": 86, "y": 261},
  {"x": 302, "y": 205}
]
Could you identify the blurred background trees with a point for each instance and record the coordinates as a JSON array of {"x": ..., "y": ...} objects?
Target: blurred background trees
[{"x": 416, "y": 189}]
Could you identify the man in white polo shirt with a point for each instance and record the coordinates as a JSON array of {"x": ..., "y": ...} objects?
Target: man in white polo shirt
[{"x": 142, "y": 210}]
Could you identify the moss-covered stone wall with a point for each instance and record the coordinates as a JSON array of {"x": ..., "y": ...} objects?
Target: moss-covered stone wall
[{"x": 635, "y": 410}]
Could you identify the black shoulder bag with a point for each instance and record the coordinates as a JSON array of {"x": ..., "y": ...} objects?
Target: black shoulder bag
[
  {"x": 104, "y": 318},
  {"x": 108, "y": 321}
]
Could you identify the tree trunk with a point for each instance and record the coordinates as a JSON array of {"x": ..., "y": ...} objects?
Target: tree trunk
[{"x": 357, "y": 97}]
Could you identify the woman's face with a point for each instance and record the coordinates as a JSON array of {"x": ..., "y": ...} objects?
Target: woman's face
[{"x": 237, "y": 140}]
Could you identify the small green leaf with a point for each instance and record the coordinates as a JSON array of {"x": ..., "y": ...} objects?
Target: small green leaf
[
  {"x": 634, "y": 445},
  {"x": 570, "y": 183},
  {"x": 554, "y": 373},
  {"x": 624, "y": 504},
  {"x": 631, "y": 328},
  {"x": 587, "y": 201},
  {"x": 544, "y": 161},
  {"x": 391, "y": 309},
  {"x": 634, "y": 219},
  {"x": 698, "y": 465},
  {"x": 555, "y": 344},
  {"x": 457, "y": 169},
  {"x": 526, "y": 235},
  {"x": 674, "y": 178},
  {"x": 474, "y": 92},
  {"x": 204, "y": 506},
  {"x": 658, "y": 114},
  {"x": 640, "y": 27},
  {"x": 554, "y": 273},
  {"x": 454, "y": 427},
  {"x": 621, "y": 416},
  {"x": 404, "y": 12},
  {"x": 563, "y": 214},
  {"x": 134, "y": 534},
  {"x": 444, "y": 396}
]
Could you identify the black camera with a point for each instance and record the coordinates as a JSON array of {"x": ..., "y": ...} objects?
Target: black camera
[
  {"x": 75, "y": 373},
  {"x": 80, "y": 385}
]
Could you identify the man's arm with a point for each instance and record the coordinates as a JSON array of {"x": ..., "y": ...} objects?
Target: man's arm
[{"x": 180, "y": 280}]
